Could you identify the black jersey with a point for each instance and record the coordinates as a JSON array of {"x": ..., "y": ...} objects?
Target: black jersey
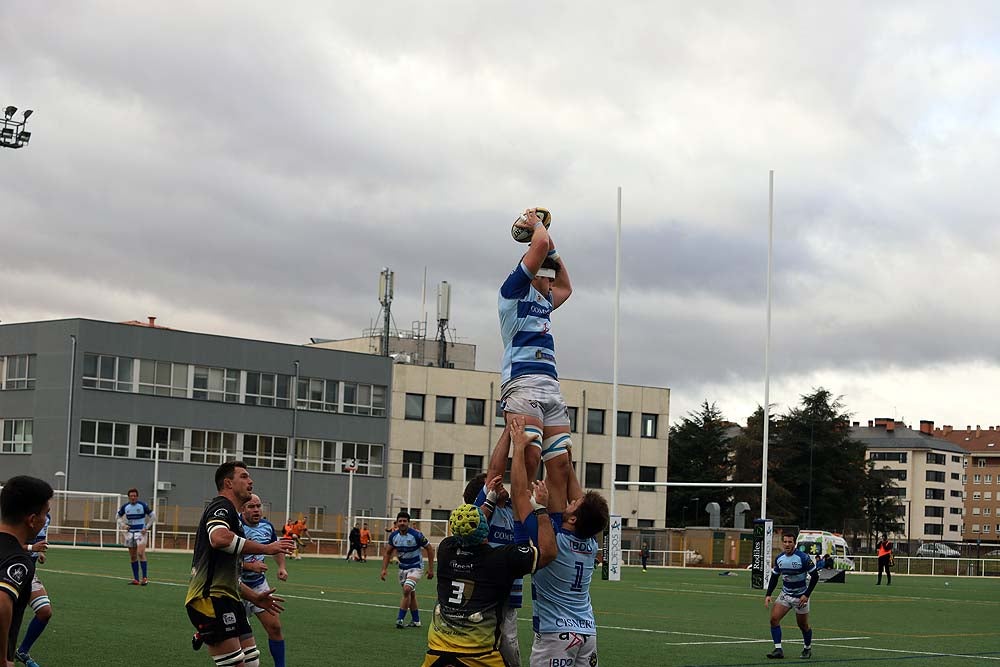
[
  {"x": 16, "y": 572},
  {"x": 473, "y": 587},
  {"x": 215, "y": 573}
]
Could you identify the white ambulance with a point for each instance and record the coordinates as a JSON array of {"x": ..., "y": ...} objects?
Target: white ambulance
[{"x": 821, "y": 542}]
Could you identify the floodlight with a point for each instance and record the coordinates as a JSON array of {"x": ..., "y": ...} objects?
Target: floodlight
[
  {"x": 7, "y": 134},
  {"x": 27, "y": 112},
  {"x": 9, "y": 111},
  {"x": 23, "y": 138}
]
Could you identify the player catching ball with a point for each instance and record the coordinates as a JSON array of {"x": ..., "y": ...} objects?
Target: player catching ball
[{"x": 530, "y": 384}]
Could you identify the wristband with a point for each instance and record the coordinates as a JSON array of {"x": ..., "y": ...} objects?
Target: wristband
[
  {"x": 541, "y": 510},
  {"x": 490, "y": 505},
  {"x": 538, "y": 224},
  {"x": 491, "y": 496},
  {"x": 30, "y": 547},
  {"x": 553, "y": 255}
]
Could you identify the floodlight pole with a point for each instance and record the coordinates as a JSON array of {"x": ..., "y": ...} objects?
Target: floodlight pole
[
  {"x": 12, "y": 134},
  {"x": 291, "y": 446}
]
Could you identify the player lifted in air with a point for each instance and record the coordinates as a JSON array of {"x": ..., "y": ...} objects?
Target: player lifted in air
[
  {"x": 794, "y": 568},
  {"x": 259, "y": 530},
  {"x": 530, "y": 384},
  {"x": 134, "y": 519},
  {"x": 407, "y": 543},
  {"x": 39, "y": 600}
]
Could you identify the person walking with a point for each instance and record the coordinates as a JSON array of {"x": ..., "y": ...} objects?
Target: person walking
[{"x": 884, "y": 561}]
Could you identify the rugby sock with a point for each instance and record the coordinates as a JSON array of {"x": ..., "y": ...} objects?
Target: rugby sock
[
  {"x": 135, "y": 570},
  {"x": 402, "y": 615},
  {"x": 415, "y": 615},
  {"x": 251, "y": 656},
  {"x": 34, "y": 630},
  {"x": 143, "y": 563},
  {"x": 776, "y": 635},
  {"x": 277, "y": 648},
  {"x": 807, "y": 637}
]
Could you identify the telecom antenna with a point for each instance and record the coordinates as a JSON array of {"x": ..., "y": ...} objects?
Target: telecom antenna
[
  {"x": 385, "y": 281},
  {"x": 444, "y": 309}
]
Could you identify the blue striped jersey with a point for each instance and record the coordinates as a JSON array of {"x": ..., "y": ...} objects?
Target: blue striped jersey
[
  {"x": 525, "y": 327},
  {"x": 505, "y": 530},
  {"x": 408, "y": 548},
  {"x": 794, "y": 570},
  {"x": 560, "y": 591},
  {"x": 263, "y": 533},
  {"x": 135, "y": 514},
  {"x": 42, "y": 535}
]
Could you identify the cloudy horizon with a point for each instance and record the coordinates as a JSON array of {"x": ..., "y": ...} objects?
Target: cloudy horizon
[{"x": 242, "y": 171}]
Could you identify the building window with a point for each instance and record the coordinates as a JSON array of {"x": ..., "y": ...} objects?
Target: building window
[
  {"x": 987, "y": 495},
  {"x": 595, "y": 421},
  {"x": 986, "y": 527},
  {"x": 107, "y": 372},
  {"x": 987, "y": 479},
  {"x": 955, "y": 510},
  {"x": 475, "y": 411},
  {"x": 367, "y": 457},
  {"x": 956, "y": 459},
  {"x": 443, "y": 465},
  {"x": 956, "y": 494},
  {"x": 316, "y": 455},
  {"x": 415, "y": 406},
  {"x": 316, "y": 394},
  {"x": 980, "y": 463},
  {"x": 216, "y": 384},
  {"x": 936, "y": 459},
  {"x": 413, "y": 464},
  {"x": 976, "y": 495},
  {"x": 934, "y": 529},
  {"x": 439, "y": 523},
  {"x": 444, "y": 409},
  {"x": 17, "y": 435},
  {"x": 265, "y": 451},
  {"x": 935, "y": 476},
  {"x": 932, "y": 511},
  {"x": 572, "y": 413},
  {"x": 212, "y": 447},
  {"x": 934, "y": 494},
  {"x": 977, "y": 479},
  {"x": 316, "y": 519},
  {"x": 624, "y": 424},
  {"x": 899, "y": 457},
  {"x": 268, "y": 389},
  {"x": 594, "y": 476},
  {"x": 986, "y": 511},
  {"x": 104, "y": 438},
  {"x": 163, "y": 378},
  {"x": 170, "y": 441},
  {"x": 648, "y": 425},
  {"x": 975, "y": 527},
  {"x": 647, "y": 474},
  {"x": 498, "y": 416},
  {"x": 965, "y": 479},
  {"x": 621, "y": 474},
  {"x": 473, "y": 465},
  {"x": 645, "y": 523},
  {"x": 893, "y": 474},
  {"x": 366, "y": 399},
  {"x": 18, "y": 371},
  {"x": 955, "y": 476}
]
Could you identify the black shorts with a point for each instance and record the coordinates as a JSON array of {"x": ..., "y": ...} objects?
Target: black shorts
[{"x": 218, "y": 619}]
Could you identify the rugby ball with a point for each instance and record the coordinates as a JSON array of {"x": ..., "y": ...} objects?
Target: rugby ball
[{"x": 522, "y": 235}]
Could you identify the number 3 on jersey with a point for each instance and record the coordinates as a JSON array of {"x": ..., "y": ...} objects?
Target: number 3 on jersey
[{"x": 459, "y": 594}]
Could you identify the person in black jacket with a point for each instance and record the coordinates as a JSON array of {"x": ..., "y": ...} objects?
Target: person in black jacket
[{"x": 355, "y": 540}]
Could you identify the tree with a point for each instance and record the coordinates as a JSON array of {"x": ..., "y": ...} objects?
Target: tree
[
  {"x": 747, "y": 447},
  {"x": 823, "y": 469},
  {"x": 699, "y": 452}
]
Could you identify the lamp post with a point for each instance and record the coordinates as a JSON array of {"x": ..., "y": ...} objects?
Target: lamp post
[
  {"x": 291, "y": 446},
  {"x": 12, "y": 132},
  {"x": 350, "y": 465}
]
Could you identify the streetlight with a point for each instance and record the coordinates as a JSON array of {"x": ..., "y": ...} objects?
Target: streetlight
[{"x": 13, "y": 134}]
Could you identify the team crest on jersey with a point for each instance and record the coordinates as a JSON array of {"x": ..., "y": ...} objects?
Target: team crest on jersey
[
  {"x": 229, "y": 618},
  {"x": 221, "y": 512},
  {"x": 17, "y": 572}
]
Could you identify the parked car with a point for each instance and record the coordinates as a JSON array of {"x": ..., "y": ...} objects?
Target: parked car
[
  {"x": 993, "y": 554},
  {"x": 937, "y": 550}
]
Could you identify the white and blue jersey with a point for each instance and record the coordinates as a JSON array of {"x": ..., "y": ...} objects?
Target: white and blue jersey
[
  {"x": 42, "y": 535},
  {"x": 135, "y": 515},
  {"x": 525, "y": 328},
  {"x": 408, "y": 548},
  {"x": 263, "y": 533},
  {"x": 794, "y": 570},
  {"x": 560, "y": 591},
  {"x": 504, "y": 530}
]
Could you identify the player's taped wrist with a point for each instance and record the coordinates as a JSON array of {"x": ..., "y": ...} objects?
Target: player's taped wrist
[
  {"x": 236, "y": 546},
  {"x": 536, "y": 507},
  {"x": 30, "y": 547},
  {"x": 553, "y": 255}
]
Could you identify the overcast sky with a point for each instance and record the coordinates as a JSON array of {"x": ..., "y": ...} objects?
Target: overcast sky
[{"x": 247, "y": 168}]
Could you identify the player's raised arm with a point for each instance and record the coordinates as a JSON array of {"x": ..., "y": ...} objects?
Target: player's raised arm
[
  {"x": 539, "y": 241},
  {"x": 562, "y": 288}
]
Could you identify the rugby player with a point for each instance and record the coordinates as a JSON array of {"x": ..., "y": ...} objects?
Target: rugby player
[
  {"x": 793, "y": 567},
  {"x": 39, "y": 598},
  {"x": 260, "y": 530},
  {"x": 407, "y": 543},
  {"x": 132, "y": 521}
]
